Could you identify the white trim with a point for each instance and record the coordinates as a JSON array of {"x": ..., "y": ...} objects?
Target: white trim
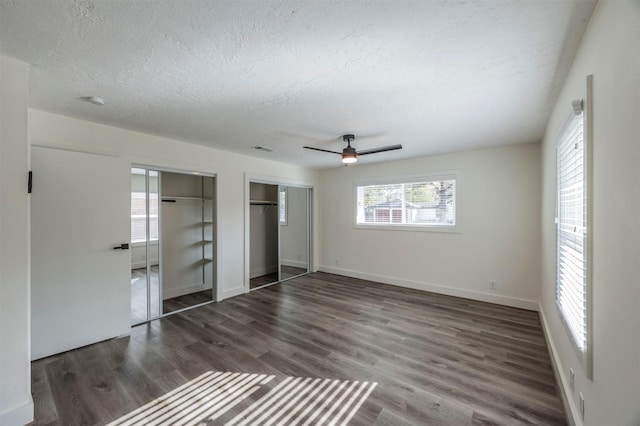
[
  {"x": 410, "y": 227},
  {"x": 232, "y": 292},
  {"x": 455, "y": 174},
  {"x": 140, "y": 265},
  {"x": 417, "y": 177},
  {"x": 293, "y": 263},
  {"x": 263, "y": 271},
  {"x": 17, "y": 416},
  {"x": 514, "y": 302},
  {"x": 571, "y": 411}
]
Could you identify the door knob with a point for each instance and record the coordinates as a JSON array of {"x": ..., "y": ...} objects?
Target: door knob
[{"x": 123, "y": 246}]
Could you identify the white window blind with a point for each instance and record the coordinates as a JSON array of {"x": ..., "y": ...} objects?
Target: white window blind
[
  {"x": 419, "y": 202},
  {"x": 571, "y": 276}
]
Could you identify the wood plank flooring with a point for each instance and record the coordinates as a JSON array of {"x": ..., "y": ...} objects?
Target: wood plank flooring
[
  {"x": 316, "y": 349},
  {"x": 287, "y": 272},
  {"x": 139, "y": 296}
]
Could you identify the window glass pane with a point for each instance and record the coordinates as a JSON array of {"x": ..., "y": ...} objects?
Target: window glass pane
[{"x": 422, "y": 203}]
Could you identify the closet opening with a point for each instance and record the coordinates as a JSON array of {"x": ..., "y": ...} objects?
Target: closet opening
[{"x": 173, "y": 245}]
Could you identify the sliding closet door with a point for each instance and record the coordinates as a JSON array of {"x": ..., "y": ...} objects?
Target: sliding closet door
[
  {"x": 263, "y": 234},
  {"x": 80, "y": 227},
  {"x": 293, "y": 208},
  {"x": 145, "y": 253}
]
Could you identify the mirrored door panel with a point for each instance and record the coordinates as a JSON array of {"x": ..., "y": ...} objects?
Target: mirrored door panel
[
  {"x": 145, "y": 282},
  {"x": 263, "y": 232},
  {"x": 293, "y": 207}
]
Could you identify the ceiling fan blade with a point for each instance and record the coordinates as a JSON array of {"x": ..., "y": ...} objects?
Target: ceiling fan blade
[
  {"x": 381, "y": 149},
  {"x": 323, "y": 150}
]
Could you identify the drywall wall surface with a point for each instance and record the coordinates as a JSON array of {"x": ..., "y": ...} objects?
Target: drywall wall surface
[
  {"x": 498, "y": 240},
  {"x": 610, "y": 53},
  {"x": 59, "y": 131},
  {"x": 16, "y": 405}
]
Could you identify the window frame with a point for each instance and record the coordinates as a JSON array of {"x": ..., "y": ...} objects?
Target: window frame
[
  {"x": 585, "y": 356},
  {"x": 413, "y": 178}
]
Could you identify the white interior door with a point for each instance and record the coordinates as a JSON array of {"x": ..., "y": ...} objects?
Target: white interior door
[{"x": 80, "y": 285}]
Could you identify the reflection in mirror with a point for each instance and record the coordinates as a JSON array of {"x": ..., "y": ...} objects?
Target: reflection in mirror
[
  {"x": 139, "y": 281},
  {"x": 153, "y": 252},
  {"x": 172, "y": 242},
  {"x": 187, "y": 240},
  {"x": 263, "y": 233},
  {"x": 294, "y": 231},
  {"x": 145, "y": 285}
]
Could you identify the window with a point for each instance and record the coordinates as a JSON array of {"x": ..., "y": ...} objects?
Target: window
[
  {"x": 572, "y": 235},
  {"x": 416, "y": 202}
]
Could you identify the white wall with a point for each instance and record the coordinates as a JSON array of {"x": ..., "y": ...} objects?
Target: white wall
[
  {"x": 230, "y": 168},
  {"x": 499, "y": 215},
  {"x": 16, "y": 406},
  {"x": 609, "y": 51}
]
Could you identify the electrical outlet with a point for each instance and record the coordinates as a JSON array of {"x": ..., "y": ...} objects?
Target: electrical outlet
[
  {"x": 493, "y": 285},
  {"x": 337, "y": 262},
  {"x": 572, "y": 380},
  {"x": 299, "y": 257},
  {"x": 582, "y": 405}
]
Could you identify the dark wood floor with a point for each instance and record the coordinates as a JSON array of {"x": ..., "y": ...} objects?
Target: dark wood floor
[
  {"x": 139, "y": 296},
  {"x": 191, "y": 299},
  {"x": 287, "y": 272},
  {"x": 316, "y": 349}
]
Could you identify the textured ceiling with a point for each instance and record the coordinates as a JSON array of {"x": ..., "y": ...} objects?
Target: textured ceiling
[{"x": 436, "y": 76}]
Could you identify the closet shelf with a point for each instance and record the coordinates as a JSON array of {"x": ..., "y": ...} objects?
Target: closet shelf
[
  {"x": 170, "y": 197},
  {"x": 262, "y": 203}
]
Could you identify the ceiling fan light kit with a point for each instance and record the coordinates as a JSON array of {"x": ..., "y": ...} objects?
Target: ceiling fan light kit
[{"x": 350, "y": 155}]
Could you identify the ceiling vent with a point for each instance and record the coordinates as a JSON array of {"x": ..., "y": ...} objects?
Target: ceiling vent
[{"x": 263, "y": 148}]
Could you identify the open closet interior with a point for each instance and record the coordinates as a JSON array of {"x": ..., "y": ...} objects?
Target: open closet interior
[
  {"x": 279, "y": 233},
  {"x": 172, "y": 241}
]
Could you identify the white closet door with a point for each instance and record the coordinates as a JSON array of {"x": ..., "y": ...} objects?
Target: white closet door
[{"x": 80, "y": 285}]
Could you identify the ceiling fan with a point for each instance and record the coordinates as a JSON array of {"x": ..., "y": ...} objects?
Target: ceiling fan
[{"x": 350, "y": 155}]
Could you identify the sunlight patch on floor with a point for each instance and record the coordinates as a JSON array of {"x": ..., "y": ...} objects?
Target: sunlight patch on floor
[{"x": 293, "y": 401}]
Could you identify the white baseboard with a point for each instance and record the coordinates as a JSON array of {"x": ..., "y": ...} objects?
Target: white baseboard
[
  {"x": 571, "y": 411},
  {"x": 263, "y": 271},
  {"x": 294, "y": 263},
  {"x": 138, "y": 265},
  {"x": 181, "y": 291},
  {"x": 232, "y": 292},
  {"x": 18, "y": 416},
  {"x": 514, "y": 302}
]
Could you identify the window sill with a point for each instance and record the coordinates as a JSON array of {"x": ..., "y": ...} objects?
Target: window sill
[{"x": 411, "y": 228}]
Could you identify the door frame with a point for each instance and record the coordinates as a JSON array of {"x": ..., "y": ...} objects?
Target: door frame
[
  {"x": 279, "y": 181},
  {"x": 215, "y": 291}
]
